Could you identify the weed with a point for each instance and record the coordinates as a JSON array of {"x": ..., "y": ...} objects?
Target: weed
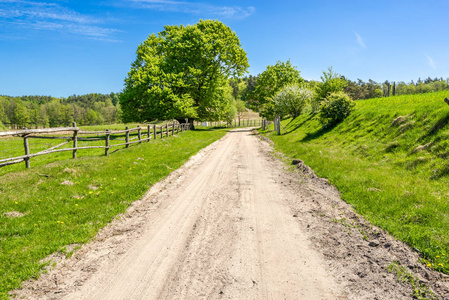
[
  {"x": 420, "y": 289},
  {"x": 364, "y": 235}
]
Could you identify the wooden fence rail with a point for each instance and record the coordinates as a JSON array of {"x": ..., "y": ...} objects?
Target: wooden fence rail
[
  {"x": 143, "y": 134},
  {"x": 236, "y": 123}
]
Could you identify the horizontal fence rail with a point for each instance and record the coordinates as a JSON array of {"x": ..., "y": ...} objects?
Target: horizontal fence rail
[
  {"x": 235, "y": 123},
  {"x": 144, "y": 134}
]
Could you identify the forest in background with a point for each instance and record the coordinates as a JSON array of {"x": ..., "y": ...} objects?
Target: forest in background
[
  {"x": 47, "y": 111},
  {"x": 100, "y": 109}
]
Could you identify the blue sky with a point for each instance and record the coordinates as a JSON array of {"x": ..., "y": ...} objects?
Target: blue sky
[{"x": 62, "y": 47}]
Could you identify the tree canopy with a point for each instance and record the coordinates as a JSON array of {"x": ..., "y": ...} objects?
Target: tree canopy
[
  {"x": 291, "y": 100},
  {"x": 331, "y": 82},
  {"x": 269, "y": 83},
  {"x": 182, "y": 72}
]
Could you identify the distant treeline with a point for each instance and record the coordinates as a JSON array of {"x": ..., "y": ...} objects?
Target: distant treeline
[
  {"x": 371, "y": 89},
  {"x": 47, "y": 111},
  {"x": 99, "y": 109}
]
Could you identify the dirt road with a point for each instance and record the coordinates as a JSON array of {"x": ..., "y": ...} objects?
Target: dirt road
[
  {"x": 226, "y": 233},
  {"x": 232, "y": 224}
]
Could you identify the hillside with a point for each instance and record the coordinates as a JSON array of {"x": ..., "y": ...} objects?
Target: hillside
[{"x": 389, "y": 160}]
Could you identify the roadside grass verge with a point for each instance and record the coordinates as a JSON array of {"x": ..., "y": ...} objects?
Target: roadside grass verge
[
  {"x": 389, "y": 159},
  {"x": 65, "y": 202}
]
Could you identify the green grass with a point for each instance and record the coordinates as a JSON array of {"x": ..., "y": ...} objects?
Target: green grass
[
  {"x": 56, "y": 215},
  {"x": 399, "y": 146},
  {"x": 420, "y": 290},
  {"x": 122, "y": 126},
  {"x": 13, "y": 146},
  {"x": 110, "y": 127}
]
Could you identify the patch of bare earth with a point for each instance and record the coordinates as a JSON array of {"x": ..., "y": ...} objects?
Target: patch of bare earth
[
  {"x": 235, "y": 223},
  {"x": 13, "y": 214}
]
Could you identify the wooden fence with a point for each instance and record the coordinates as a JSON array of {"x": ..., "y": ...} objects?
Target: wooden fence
[
  {"x": 234, "y": 123},
  {"x": 143, "y": 134}
]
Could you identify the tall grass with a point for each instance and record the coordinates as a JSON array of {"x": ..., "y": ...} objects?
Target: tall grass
[
  {"x": 389, "y": 159},
  {"x": 50, "y": 215}
]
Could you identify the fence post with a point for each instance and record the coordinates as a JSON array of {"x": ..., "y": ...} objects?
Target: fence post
[
  {"x": 139, "y": 134},
  {"x": 154, "y": 128},
  {"x": 27, "y": 152},
  {"x": 127, "y": 136},
  {"x": 75, "y": 140},
  {"x": 106, "y": 150},
  {"x": 149, "y": 133},
  {"x": 166, "y": 130},
  {"x": 173, "y": 129},
  {"x": 279, "y": 125}
]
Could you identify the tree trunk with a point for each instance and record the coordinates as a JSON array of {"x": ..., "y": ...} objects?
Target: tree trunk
[
  {"x": 192, "y": 126},
  {"x": 181, "y": 121}
]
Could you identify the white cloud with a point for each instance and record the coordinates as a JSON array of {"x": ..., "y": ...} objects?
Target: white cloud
[
  {"x": 359, "y": 40},
  {"x": 237, "y": 12},
  {"x": 431, "y": 62},
  {"x": 52, "y": 17}
]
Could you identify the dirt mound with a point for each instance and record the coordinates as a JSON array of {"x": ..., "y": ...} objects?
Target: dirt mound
[{"x": 303, "y": 168}]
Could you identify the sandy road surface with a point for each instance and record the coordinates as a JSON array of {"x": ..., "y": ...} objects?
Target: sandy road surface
[
  {"x": 227, "y": 233},
  {"x": 233, "y": 224}
]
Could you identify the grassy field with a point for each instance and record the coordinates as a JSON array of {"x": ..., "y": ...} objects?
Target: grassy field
[
  {"x": 389, "y": 159},
  {"x": 39, "y": 215},
  {"x": 114, "y": 126},
  {"x": 13, "y": 146}
]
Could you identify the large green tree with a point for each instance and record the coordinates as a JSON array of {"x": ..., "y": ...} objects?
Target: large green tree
[
  {"x": 181, "y": 72},
  {"x": 271, "y": 81}
]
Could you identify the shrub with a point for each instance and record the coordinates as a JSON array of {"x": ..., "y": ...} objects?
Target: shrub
[
  {"x": 291, "y": 100},
  {"x": 335, "y": 108}
]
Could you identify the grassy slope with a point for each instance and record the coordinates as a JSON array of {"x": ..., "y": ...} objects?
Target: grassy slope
[
  {"x": 57, "y": 215},
  {"x": 400, "y": 147}
]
